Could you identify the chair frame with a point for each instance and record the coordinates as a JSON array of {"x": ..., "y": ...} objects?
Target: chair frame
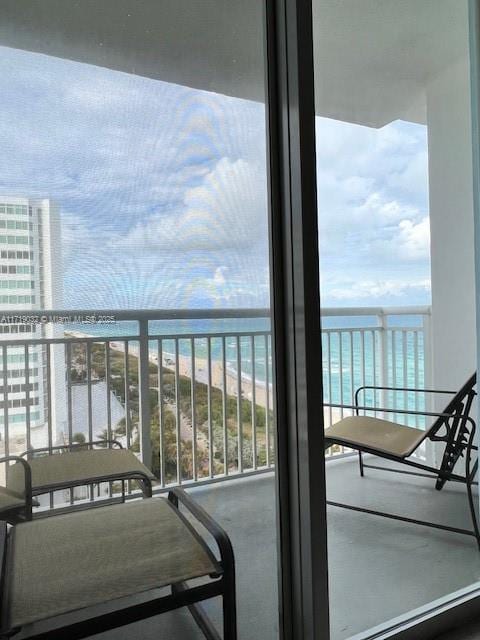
[
  {"x": 15, "y": 515},
  {"x": 458, "y": 437},
  {"x": 96, "y": 619},
  {"x": 143, "y": 480}
]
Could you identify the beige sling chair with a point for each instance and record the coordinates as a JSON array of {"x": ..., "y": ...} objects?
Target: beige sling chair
[
  {"x": 453, "y": 426},
  {"x": 82, "y": 573},
  {"x": 42, "y": 471}
]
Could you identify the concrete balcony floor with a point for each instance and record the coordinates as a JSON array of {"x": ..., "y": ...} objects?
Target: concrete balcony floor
[{"x": 378, "y": 568}]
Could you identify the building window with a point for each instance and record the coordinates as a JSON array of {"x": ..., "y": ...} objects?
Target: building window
[{"x": 21, "y": 417}]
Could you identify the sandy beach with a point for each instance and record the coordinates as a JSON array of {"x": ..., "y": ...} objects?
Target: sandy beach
[
  {"x": 201, "y": 372},
  {"x": 259, "y": 394},
  {"x": 217, "y": 376}
]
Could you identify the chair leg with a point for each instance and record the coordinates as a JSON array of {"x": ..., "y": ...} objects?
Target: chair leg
[
  {"x": 229, "y": 610},
  {"x": 203, "y": 621},
  {"x": 29, "y": 507},
  {"x": 469, "y": 475},
  {"x": 360, "y": 462},
  {"x": 454, "y": 448},
  {"x": 471, "y": 504},
  {"x": 148, "y": 488},
  {"x": 145, "y": 485},
  {"x": 447, "y": 465}
]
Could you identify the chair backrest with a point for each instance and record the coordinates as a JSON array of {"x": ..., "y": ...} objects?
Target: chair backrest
[
  {"x": 459, "y": 407},
  {"x": 458, "y": 428}
]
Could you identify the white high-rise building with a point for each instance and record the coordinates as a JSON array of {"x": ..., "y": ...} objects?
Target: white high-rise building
[{"x": 30, "y": 280}]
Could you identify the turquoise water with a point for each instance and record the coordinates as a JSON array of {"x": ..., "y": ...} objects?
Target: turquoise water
[
  {"x": 355, "y": 352},
  {"x": 370, "y": 357},
  {"x": 262, "y": 356}
]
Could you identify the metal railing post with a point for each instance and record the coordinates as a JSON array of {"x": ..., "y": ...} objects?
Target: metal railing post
[
  {"x": 121, "y": 355},
  {"x": 427, "y": 350},
  {"x": 383, "y": 356},
  {"x": 432, "y": 450},
  {"x": 144, "y": 395}
]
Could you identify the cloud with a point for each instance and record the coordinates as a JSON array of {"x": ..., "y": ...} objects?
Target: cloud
[
  {"x": 209, "y": 250},
  {"x": 373, "y": 213},
  {"x": 414, "y": 239},
  {"x": 378, "y": 209},
  {"x": 380, "y": 291},
  {"x": 163, "y": 190},
  {"x": 219, "y": 276},
  {"x": 227, "y": 290},
  {"x": 226, "y": 212}
]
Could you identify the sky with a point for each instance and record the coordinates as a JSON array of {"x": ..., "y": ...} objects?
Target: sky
[{"x": 163, "y": 193}]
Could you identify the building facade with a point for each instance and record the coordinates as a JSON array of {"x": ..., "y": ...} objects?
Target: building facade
[{"x": 30, "y": 281}]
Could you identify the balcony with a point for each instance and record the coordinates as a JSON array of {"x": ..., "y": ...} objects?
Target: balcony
[
  {"x": 204, "y": 419},
  {"x": 96, "y": 373},
  {"x": 375, "y": 565}
]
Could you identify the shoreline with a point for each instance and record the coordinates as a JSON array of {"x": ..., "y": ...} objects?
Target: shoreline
[
  {"x": 201, "y": 372},
  {"x": 201, "y": 375}
]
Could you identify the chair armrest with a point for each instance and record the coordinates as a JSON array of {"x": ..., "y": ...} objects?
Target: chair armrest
[
  {"x": 432, "y": 414},
  {"x": 69, "y": 447},
  {"x": 177, "y": 495},
  {"x": 27, "y": 476},
  {"x": 411, "y": 389},
  {"x": 113, "y": 442}
]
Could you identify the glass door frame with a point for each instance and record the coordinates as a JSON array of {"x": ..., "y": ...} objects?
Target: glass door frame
[
  {"x": 300, "y": 477},
  {"x": 301, "y": 499}
]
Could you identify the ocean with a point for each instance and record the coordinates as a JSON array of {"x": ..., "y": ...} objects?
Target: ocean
[{"x": 356, "y": 351}]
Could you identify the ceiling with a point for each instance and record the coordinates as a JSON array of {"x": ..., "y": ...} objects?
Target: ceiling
[{"x": 373, "y": 58}]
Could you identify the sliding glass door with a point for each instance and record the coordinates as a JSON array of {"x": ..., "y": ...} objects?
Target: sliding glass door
[
  {"x": 168, "y": 172},
  {"x": 397, "y": 270},
  {"x": 135, "y": 270}
]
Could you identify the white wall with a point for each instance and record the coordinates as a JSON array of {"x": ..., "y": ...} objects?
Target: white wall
[{"x": 451, "y": 222}]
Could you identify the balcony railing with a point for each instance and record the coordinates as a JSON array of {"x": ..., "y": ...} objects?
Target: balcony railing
[{"x": 190, "y": 391}]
